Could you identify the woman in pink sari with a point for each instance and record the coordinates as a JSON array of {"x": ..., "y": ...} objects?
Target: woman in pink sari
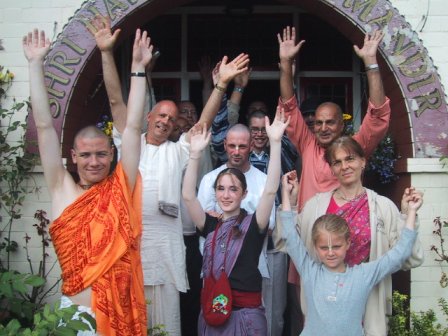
[{"x": 375, "y": 224}]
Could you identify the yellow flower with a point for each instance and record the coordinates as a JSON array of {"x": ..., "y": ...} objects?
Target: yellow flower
[{"x": 346, "y": 116}]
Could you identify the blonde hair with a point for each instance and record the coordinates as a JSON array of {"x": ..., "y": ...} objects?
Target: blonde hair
[{"x": 332, "y": 224}]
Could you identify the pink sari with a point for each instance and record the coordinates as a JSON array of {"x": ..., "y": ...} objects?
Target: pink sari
[{"x": 356, "y": 213}]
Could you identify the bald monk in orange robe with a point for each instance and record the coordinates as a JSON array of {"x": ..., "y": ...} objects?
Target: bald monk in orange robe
[{"x": 98, "y": 226}]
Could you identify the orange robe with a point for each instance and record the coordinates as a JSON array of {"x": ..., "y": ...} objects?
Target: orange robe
[{"x": 97, "y": 241}]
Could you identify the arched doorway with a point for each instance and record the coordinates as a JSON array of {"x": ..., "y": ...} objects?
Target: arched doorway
[
  {"x": 411, "y": 81},
  {"x": 419, "y": 108}
]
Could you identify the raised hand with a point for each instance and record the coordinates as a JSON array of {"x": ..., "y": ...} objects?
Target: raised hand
[
  {"x": 288, "y": 49},
  {"x": 199, "y": 139},
  {"x": 35, "y": 46},
  {"x": 228, "y": 71},
  {"x": 142, "y": 49},
  {"x": 104, "y": 38},
  {"x": 290, "y": 187},
  {"x": 242, "y": 79},
  {"x": 368, "y": 51},
  {"x": 412, "y": 199},
  {"x": 276, "y": 130},
  {"x": 289, "y": 180},
  {"x": 215, "y": 73}
]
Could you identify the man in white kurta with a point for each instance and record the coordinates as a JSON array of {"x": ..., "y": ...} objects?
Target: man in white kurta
[
  {"x": 162, "y": 248},
  {"x": 161, "y": 166}
]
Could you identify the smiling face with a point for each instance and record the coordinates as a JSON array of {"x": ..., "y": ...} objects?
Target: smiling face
[
  {"x": 161, "y": 122},
  {"x": 328, "y": 124},
  {"x": 347, "y": 166},
  {"x": 258, "y": 134},
  {"x": 331, "y": 249},
  {"x": 229, "y": 194},
  {"x": 93, "y": 157},
  {"x": 188, "y": 111}
]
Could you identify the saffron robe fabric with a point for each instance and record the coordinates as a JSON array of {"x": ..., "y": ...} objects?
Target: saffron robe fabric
[{"x": 97, "y": 241}]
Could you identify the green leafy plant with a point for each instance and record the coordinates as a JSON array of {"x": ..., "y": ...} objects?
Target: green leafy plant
[
  {"x": 21, "y": 294},
  {"x": 421, "y": 323},
  {"x": 51, "y": 321},
  {"x": 158, "y": 329},
  {"x": 440, "y": 251}
]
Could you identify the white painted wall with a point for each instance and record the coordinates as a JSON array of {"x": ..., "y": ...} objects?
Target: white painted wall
[
  {"x": 431, "y": 177},
  {"x": 20, "y": 16}
]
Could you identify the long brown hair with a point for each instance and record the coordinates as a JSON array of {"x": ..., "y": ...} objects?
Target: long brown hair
[{"x": 232, "y": 172}]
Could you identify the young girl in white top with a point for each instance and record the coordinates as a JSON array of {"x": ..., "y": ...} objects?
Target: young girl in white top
[{"x": 335, "y": 293}]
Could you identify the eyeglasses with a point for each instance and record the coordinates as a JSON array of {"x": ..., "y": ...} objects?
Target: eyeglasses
[{"x": 256, "y": 130}]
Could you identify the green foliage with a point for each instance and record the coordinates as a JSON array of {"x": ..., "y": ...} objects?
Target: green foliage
[
  {"x": 50, "y": 321},
  {"x": 21, "y": 295},
  {"x": 421, "y": 323},
  {"x": 442, "y": 255},
  {"x": 444, "y": 160},
  {"x": 15, "y": 165},
  {"x": 158, "y": 330}
]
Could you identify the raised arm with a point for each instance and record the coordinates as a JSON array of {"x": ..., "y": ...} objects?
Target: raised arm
[
  {"x": 227, "y": 72},
  {"x": 241, "y": 82},
  {"x": 275, "y": 133},
  {"x": 199, "y": 139},
  {"x": 368, "y": 54},
  {"x": 35, "y": 47},
  {"x": 290, "y": 190},
  {"x": 288, "y": 50},
  {"x": 414, "y": 202},
  {"x": 131, "y": 142},
  {"x": 105, "y": 41}
]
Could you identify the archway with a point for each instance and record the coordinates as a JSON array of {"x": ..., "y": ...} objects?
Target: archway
[{"x": 411, "y": 81}]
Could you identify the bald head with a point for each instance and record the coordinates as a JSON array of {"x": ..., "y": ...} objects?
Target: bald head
[
  {"x": 237, "y": 145},
  {"x": 238, "y": 128},
  {"x": 90, "y": 132},
  {"x": 328, "y": 124},
  {"x": 161, "y": 122}
]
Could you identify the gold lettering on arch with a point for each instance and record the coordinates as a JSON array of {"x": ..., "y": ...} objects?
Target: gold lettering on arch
[
  {"x": 55, "y": 108},
  {"x": 60, "y": 61},
  {"x": 384, "y": 20},
  {"x": 356, "y": 5},
  {"x": 55, "y": 79},
  {"x": 112, "y": 6},
  {"x": 85, "y": 21},
  {"x": 412, "y": 60},
  {"x": 423, "y": 82},
  {"x": 431, "y": 101},
  {"x": 72, "y": 45}
]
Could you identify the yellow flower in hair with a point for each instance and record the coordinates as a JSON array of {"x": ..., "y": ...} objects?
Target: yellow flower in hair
[{"x": 346, "y": 116}]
